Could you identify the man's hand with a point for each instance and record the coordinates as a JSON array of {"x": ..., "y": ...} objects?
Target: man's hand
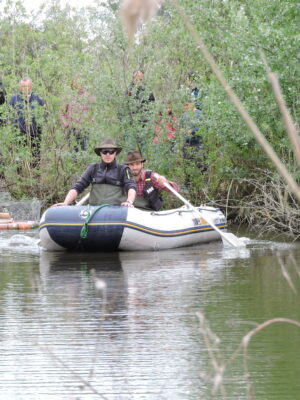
[
  {"x": 60, "y": 204},
  {"x": 160, "y": 179},
  {"x": 127, "y": 204}
]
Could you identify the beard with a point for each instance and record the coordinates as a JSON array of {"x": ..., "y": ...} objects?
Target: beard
[{"x": 136, "y": 172}]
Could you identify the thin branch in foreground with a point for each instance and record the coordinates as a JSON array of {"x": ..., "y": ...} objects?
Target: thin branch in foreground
[
  {"x": 220, "y": 368},
  {"x": 72, "y": 372},
  {"x": 294, "y": 262},
  {"x": 246, "y": 341},
  {"x": 46, "y": 350},
  {"x": 215, "y": 357},
  {"x": 288, "y": 122},
  {"x": 134, "y": 13},
  {"x": 265, "y": 145},
  {"x": 285, "y": 274}
]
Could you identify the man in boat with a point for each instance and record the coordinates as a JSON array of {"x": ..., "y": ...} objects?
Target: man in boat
[
  {"x": 148, "y": 183},
  {"x": 111, "y": 182}
]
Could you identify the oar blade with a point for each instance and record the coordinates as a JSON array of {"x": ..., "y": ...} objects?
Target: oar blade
[
  {"x": 230, "y": 238},
  {"x": 226, "y": 237}
]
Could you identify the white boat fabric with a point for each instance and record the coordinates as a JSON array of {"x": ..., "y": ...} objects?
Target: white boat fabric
[{"x": 115, "y": 228}]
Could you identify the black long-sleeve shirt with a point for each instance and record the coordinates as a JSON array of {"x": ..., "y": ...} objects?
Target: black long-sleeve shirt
[
  {"x": 27, "y": 113},
  {"x": 112, "y": 174}
]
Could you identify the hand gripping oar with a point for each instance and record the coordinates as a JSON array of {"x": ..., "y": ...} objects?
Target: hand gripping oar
[{"x": 229, "y": 237}]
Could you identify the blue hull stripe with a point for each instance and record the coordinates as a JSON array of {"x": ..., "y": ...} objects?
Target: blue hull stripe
[{"x": 141, "y": 228}]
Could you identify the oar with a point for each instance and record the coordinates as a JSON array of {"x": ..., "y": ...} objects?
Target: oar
[
  {"x": 83, "y": 200},
  {"x": 229, "y": 237}
]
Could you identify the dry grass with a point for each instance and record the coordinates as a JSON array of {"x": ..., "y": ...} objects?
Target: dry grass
[{"x": 271, "y": 207}]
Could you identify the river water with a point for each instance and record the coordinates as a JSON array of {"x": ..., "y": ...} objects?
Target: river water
[{"x": 141, "y": 325}]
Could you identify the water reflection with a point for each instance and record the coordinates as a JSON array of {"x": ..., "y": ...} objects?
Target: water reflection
[
  {"x": 136, "y": 334},
  {"x": 77, "y": 275}
]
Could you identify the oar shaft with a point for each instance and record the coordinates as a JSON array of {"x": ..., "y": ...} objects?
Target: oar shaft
[
  {"x": 83, "y": 200},
  {"x": 186, "y": 202},
  {"x": 234, "y": 241}
]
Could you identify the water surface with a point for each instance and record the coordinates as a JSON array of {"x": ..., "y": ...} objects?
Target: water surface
[{"x": 148, "y": 325}]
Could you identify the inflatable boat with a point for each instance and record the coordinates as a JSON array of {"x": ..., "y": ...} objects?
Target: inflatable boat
[{"x": 113, "y": 228}]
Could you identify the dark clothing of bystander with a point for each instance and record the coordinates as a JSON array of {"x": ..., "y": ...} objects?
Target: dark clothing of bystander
[
  {"x": 140, "y": 100},
  {"x": 76, "y": 117},
  {"x": 2, "y": 102},
  {"x": 28, "y": 118},
  {"x": 193, "y": 146},
  {"x": 2, "y": 94}
]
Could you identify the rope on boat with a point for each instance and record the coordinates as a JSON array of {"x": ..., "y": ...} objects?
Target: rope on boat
[{"x": 85, "y": 229}]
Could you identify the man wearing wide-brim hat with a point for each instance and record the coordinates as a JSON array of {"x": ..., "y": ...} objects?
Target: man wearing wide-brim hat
[
  {"x": 148, "y": 183},
  {"x": 111, "y": 182}
]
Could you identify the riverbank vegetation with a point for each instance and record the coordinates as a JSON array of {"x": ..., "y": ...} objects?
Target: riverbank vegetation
[{"x": 58, "y": 45}]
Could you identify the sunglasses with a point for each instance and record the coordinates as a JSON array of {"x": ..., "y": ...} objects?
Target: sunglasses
[{"x": 107, "y": 151}]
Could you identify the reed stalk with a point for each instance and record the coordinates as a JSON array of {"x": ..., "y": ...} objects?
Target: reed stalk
[{"x": 265, "y": 145}]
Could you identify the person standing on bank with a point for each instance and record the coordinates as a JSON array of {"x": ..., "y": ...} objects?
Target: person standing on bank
[
  {"x": 77, "y": 115},
  {"x": 2, "y": 100},
  {"x": 148, "y": 183},
  {"x": 139, "y": 106},
  {"x": 112, "y": 183},
  {"x": 28, "y": 114}
]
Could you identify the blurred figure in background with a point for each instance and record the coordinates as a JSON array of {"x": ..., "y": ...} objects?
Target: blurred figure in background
[
  {"x": 137, "y": 92},
  {"x": 2, "y": 101},
  {"x": 166, "y": 126},
  {"x": 76, "y": 115},
  {"x": 139, "y": 109},
  {"x": 29, "y": 115},
  {"x": 196, "y": 94}
]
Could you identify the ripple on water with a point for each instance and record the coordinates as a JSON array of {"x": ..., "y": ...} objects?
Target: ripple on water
[
  {"x": 63, "y": 339},
  {"x": 17, "y": 243}
]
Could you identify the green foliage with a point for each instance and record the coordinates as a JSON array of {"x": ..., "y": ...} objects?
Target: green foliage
[{"x": 60, "y": 44}]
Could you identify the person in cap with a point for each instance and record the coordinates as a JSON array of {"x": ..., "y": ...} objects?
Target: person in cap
[
  {"x": 112, "y": 183},
  {"x": 148, "y": 183}
]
